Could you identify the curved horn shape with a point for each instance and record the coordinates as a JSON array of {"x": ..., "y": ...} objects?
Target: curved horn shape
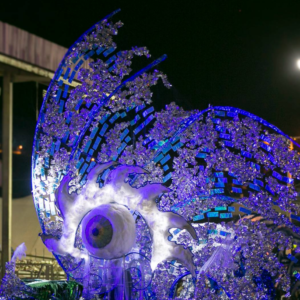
[
  {"x": 63, "y": 191},
  {"x": 118, "y": 175},
  {"x": 179, "y": 222},
  {"x": 99, "y": 168}
]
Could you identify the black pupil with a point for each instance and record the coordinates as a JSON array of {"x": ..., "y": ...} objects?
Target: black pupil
[{"x": 95, "y": 232}]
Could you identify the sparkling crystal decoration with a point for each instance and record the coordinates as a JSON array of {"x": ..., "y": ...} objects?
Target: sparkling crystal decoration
[
  {"x": 13, "y": 287},
  {"x": 149, "y": 204}
]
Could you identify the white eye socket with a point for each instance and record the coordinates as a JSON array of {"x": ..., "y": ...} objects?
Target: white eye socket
[{"x": 108, "y": 231}]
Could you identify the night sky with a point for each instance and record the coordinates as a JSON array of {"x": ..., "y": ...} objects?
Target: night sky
[{"x": 235, "y": 53}]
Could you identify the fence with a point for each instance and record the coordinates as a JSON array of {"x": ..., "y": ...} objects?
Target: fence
[{"x": 39, "y": 267}]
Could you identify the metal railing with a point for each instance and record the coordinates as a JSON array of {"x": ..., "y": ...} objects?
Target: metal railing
[{"x": 39, "y": 267}]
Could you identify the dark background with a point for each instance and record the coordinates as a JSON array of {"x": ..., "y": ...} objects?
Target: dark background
[{"x": 236, "y": 53}]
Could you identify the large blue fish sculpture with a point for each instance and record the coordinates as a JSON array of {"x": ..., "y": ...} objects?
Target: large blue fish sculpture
[{"x": 141, "y": 203}]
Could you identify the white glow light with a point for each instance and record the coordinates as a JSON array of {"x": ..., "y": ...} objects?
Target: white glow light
[
  {"x": 298, "y": 63},
  {"x": 74, "y": 207}
]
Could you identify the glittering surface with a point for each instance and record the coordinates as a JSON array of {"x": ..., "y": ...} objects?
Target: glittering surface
[
  {"x": 209, "y": 160},
  {"x": 13, "y": 287}
]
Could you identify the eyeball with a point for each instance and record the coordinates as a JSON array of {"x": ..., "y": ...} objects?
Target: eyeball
[
  {"x": 108, "y": 231},
  {"x": 98, "y": 232}
]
